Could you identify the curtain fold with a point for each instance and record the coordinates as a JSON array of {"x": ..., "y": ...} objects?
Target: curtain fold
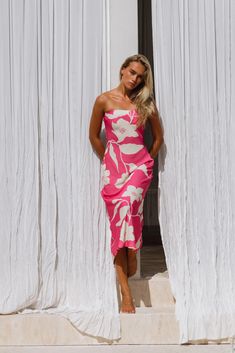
[
  {"x": 194, "y": 57},
  {"x": 55, "y": 238}
]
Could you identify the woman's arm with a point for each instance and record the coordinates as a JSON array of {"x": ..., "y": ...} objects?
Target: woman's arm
[
  {"x": 157, "y": 133},
  {"x": 95, "y": 126}
]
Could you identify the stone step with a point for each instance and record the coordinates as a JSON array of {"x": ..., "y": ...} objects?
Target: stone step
[
  {"x": 150, "y": 326},
  {"x": 152, "y": 292},
  {"x": 146, "y": 326}
]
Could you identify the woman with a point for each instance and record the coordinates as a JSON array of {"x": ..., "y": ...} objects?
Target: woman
[{"x": 126, "y": 163}]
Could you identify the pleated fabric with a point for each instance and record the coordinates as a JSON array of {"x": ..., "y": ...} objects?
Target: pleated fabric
[
  {"x": 194, "y": 55},
  {"x": 54, "y": 234}
]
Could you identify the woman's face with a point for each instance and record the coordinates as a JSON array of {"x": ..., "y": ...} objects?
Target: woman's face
[{"x": 132, "y": 75}]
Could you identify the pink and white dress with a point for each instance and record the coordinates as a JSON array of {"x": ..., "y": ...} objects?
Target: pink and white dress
[{"x": 127, "y": 170}]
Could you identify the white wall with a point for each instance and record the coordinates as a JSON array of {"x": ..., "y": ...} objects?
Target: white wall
[
  {"x": 123, "y": 34},
  {"x": 123, "y": 42}
]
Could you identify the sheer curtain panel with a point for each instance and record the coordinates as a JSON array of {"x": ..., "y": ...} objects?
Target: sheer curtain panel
[
  {"x": 194, "y": 54},
  {"x": 55, "y": 241}
]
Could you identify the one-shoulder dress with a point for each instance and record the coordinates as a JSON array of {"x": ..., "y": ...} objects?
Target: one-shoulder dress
[{"x": 127, "y": 170}]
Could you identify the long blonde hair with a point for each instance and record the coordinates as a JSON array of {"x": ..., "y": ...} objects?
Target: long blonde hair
[{"x": 142, "y": 95}]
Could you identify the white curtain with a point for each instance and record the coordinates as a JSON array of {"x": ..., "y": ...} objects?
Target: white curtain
[
  {"x": 194, "y": 54},
  {"x": 55, "y": 242}
]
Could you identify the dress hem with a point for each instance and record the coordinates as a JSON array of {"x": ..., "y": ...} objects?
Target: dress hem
[{"x": 127, "y": 244}]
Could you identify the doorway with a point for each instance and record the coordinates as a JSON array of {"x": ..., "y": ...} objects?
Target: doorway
[{"x": 152, "y": 254}]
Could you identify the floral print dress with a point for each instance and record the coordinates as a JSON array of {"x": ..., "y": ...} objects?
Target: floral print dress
[{"x": 127, "y": 170}]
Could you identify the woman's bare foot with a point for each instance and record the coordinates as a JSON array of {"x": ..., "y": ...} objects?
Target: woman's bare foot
[
  {"x": 127, "y": 305},
  {"x": 131, "y": 262}
]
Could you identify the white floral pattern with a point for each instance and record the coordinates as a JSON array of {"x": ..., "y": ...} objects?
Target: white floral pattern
[
  {"x": 122, "y": 214},
  {"x": 140, "y": 209},
  {"x": 127, "y": 173},
  {"x": 119, "y": 183},
  {"x": 130, "y": 148},
  {"x": 123, "y": 129},
  {"x": 127, "y": 232},
  {"x": 105, "y": 175},
  {"x": 134, "y": 193}
]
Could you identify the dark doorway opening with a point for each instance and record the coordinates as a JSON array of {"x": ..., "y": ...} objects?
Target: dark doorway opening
[{"x": 151, "y": 229}]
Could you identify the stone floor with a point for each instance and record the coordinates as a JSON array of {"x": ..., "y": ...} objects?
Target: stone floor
[{"x": 121, "y": 349}]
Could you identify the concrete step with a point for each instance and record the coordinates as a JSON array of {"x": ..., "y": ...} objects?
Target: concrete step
[
  {"x": 146, "y": 326},
  {"x": 150, "y": 326},
  {"x": 152, "y": 292}
]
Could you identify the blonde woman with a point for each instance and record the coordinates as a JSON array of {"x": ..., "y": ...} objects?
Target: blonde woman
[{"x": 126, "y": 163}]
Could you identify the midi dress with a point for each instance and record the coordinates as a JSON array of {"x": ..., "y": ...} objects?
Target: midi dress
[{"x": 127, "y": 170}]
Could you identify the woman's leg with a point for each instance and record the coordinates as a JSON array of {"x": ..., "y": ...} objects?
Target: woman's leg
[
  {"x": 131, "y": 262},
  {"x": 127, "y": 305}
]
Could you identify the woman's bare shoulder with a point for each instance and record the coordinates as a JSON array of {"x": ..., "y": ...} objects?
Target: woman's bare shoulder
[
  {"x": 101, "y": 100},
  {"x": 104, "y": 100}
]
